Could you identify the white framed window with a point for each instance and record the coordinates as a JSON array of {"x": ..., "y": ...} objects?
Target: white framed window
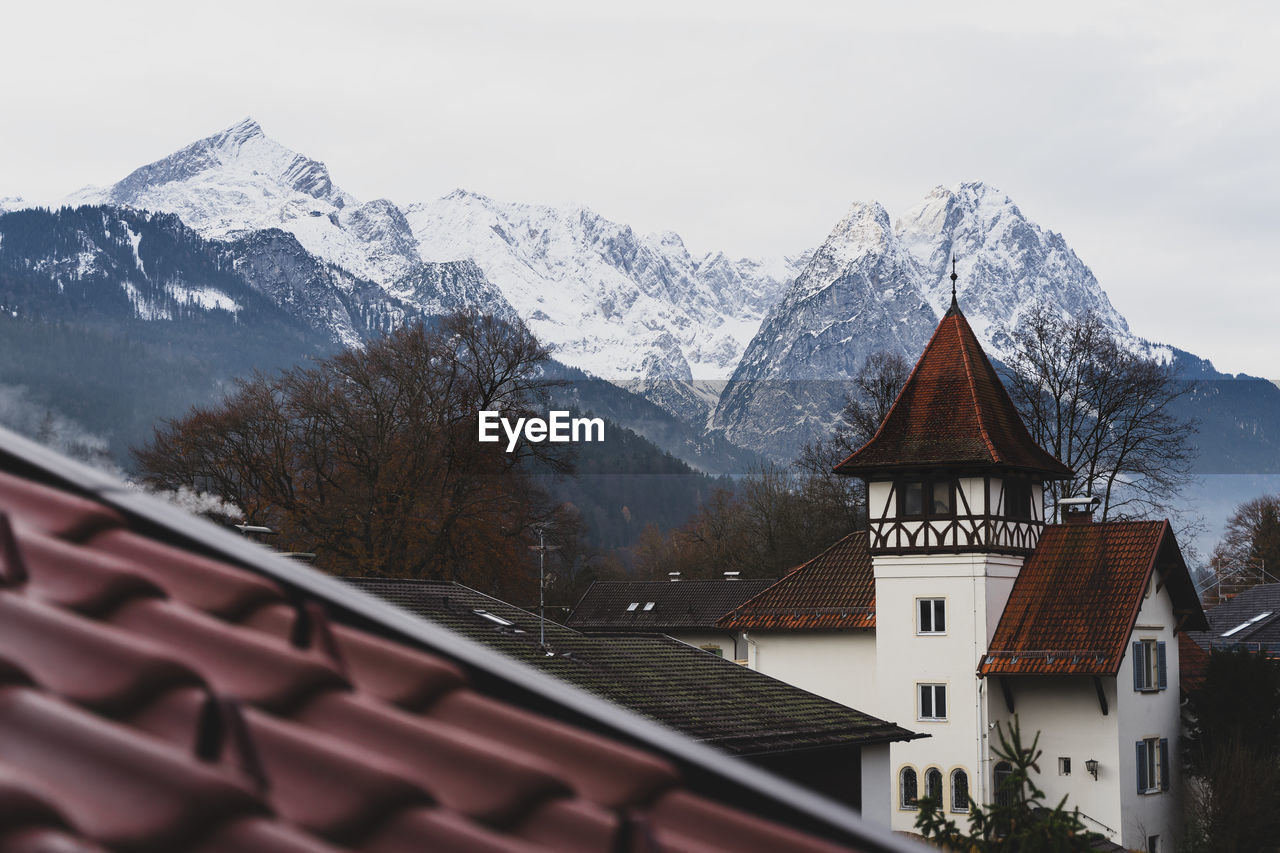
[
  {"x": 959, "y": 791},
  {"x": 908, "y": 789},
  {"x": 1064, "y": 766},
  {"x": 931, "y": 616},
  {"x": 1153, "y": 765},
  {"x": 1150, "y": 666},
  {"x": 933, "y": 701}
]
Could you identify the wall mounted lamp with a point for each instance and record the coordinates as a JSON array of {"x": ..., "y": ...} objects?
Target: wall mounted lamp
[{"x": 1092, "y": 766}]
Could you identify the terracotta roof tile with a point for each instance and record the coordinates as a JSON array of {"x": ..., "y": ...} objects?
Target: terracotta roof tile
[
  {"x": 1076, "y": 599},
  {"x": 953, "y": 410},
  {"x": 686, "y": 605},
  {"x": 153, "y": 699},
  {"x": 834, "y": 590}
]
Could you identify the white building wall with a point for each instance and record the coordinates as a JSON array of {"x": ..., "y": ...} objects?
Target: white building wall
[
  {"x": 839, "y": 665},
  {"x": 975, "y": 588},
  {"x": 1064, "y": 710},
  {"x": 877, "y": 799},
  {"x": 1145, "y": 715}
]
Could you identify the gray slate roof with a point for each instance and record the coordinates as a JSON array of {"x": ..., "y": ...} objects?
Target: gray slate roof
[
  {"x": 692, "y": 691},
  {"x": 1250, "y": 609},
  {"x": 660, "y": 605}
]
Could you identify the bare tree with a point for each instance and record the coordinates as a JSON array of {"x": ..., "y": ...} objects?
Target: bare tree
[
  {"x": 370, "y": 458},
  {"x": 875, "y": 388},
  {"x": 1249, "y": 552},
  {"x": 1103, "y": 410}
]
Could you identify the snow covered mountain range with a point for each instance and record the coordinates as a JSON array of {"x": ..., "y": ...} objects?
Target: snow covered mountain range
[
  {"x": 620, "y": 305},
  {"x": 755, "y": 350},
  {"x": 873, "y": 285}
]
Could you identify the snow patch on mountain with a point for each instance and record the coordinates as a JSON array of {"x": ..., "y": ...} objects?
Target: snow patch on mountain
[{"x": 619, "y": 304}]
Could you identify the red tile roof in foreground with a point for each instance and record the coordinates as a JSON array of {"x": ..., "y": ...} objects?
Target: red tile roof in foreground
[
  {"x": 1074, "y": 604},
  {"x": 954, "y": 411},
  {"x": 834, "y": 590},
  {"x": 153, "y": 698}
]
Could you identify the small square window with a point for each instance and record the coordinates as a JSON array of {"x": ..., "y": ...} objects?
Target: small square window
[
  {"x": 931, "y": 615},
  {"x": 933, "y": 701},
  {"x": 1064, "y": 766},
  {"x": 632, "y": 606},
  {"x": 1153, "y": 844},
  {"x": 648, "y": 605}
]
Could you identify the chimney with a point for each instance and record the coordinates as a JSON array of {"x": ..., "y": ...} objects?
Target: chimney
[{"x": 1078, "y": 510}]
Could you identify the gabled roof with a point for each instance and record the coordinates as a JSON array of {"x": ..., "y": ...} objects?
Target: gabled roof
[
  {"x": 834, "y": 590},
  {"x": 704, "y": 696},
  {"x": 660, "y": 606},
  {"x": 1077, "y": 597},
  {"x": 167, "y": 685},
  {"x": 952, "y": 411},
  {"x": 1252, "y": 617}
]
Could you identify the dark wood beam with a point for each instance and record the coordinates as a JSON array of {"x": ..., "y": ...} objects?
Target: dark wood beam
[{"x": 1102, "y": 696}]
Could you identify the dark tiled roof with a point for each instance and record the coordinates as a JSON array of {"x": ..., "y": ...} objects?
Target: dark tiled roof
[
  {"x": 155, "y": 697},
  {"x": 1076, "y": 599},
  {"x": 953, "y": 410},
  {"x": 1252, "y": 617},
  {"x": 687, "y": 605},
  {"x": 834, "y": 590},
  {"x": 697, "y": 693}
]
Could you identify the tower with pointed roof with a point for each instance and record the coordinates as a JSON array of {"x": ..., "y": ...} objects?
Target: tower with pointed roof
[{"x": 955, "y": 487}]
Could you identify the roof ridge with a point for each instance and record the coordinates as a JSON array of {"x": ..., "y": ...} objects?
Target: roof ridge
[{"x": 973, "y": 386}]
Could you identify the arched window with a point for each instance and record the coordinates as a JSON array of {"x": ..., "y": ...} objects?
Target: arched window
[
  {"x": 1004, "y": 795},
  {"x": 959, "y": 791},
  {"x": 933, "y": 785},
  {"x": 908, "y": 788}
]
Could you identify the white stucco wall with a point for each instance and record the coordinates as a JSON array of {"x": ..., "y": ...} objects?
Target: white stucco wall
[
  {"x": 1064, "y": 710},
  {"x": 877, "y": 799},
  {"x": 1144, "y": 715},
  {"x": 840, "y": 665},
  {"x": 975, "y": 587}
]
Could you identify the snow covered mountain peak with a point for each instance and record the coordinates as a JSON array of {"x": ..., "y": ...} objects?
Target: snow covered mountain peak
[
  {"x": 240, "y": 164},
  {"x": 1006, "y": 263}
]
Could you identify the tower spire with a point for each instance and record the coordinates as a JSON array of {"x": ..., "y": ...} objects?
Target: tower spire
[{"x": 955, "y": 306}]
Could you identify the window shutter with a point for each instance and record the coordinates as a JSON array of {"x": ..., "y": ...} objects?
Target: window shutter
[
  {"x": 1142, "y": 766},
  {"x": 1164, "y": 761},
  {"x": 1161, "y": 663},
  {"x": 1138, "y": 666}
]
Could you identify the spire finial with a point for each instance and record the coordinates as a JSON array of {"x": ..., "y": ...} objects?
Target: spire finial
[{"x": 955, "y": 306}]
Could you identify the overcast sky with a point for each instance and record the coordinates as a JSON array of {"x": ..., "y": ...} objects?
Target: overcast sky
[{"x": 1147, "y": 134}]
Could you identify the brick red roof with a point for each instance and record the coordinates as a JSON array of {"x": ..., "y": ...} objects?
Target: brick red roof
[
  {"x": 1076, "y": 599},
  {"x": 953, "y": 411},
  {"x": 834, "y": 590},
  {"x": 157, "y": 698},
  {"x": 1193, "y": 662}
]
